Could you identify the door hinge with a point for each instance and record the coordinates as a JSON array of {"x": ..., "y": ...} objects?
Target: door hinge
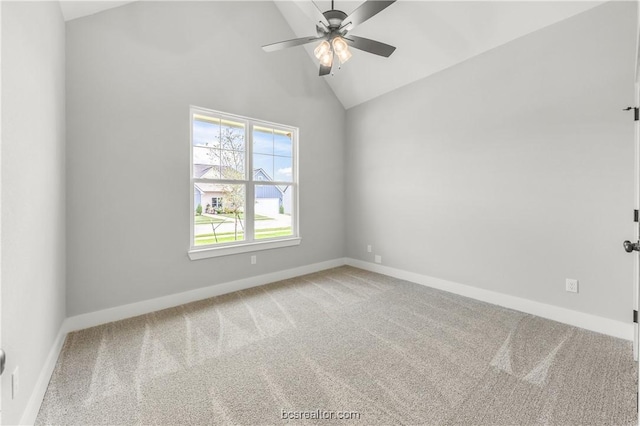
[
  {"x": 636, "y": 112},
  {"x": 635, "y": 316},
  {"x": 635, "y": 215}
]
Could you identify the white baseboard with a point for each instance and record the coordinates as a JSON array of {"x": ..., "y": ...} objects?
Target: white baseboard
[
  {"x": 35, "y": 400},
  {"x": 92, "y": 319},
  {"x": 595, "y": 323},
  {"x": 579, "y": 319}
]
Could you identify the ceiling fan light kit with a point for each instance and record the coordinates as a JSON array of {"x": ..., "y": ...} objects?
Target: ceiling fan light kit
[
  {"x": 322, "y": 50},
  {"x": 327, "y": 59},
  {"x": 341, "y": 49},
  {"x": 332, "y": 27}
]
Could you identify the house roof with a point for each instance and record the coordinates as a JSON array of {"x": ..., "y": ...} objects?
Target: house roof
[
  {"x": 209, "y": 187},
  {"x": 208, "y": 171},
  {"x": 260, "y": 171},
  {"x": 199, "y": 170},
  {"x": 202, "y": 170}
]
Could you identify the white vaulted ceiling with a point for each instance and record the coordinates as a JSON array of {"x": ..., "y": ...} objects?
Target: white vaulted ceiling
[
  {"x": 429, "y": 35},
  {"x": 79, "y": 8}
]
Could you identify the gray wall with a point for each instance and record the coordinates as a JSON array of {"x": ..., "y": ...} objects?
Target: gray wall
[
  {"x": 33, "y": 192},
  {"x": 132, "y": 73},
  {"x": 511, "y": 171}
]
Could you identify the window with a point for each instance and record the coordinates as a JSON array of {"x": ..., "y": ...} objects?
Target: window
[{"x": 243, "y": 184}]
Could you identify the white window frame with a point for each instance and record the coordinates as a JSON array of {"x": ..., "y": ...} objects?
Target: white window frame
[{"x": 249, "y": 244}]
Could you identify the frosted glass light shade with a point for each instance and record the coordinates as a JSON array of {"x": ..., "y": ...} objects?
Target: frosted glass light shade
[
  {"x": 322, "y": 49},
  {"x": 341, "y": 48}
]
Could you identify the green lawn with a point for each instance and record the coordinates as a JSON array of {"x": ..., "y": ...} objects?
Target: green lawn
[
  {"x": 199, "y": 220},
  {"x": 226, "y": 237},
  {"x": 221, "y": 234},
  {"x": 258, "y": 217},
  {"x": 273, "y": 232}
]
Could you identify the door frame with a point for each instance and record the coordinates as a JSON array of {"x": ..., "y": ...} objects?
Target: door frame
[
  {"x": 636, "y": 225},
  {"x": 1, "y": 380},
  {"x": 636, "y": 178}
]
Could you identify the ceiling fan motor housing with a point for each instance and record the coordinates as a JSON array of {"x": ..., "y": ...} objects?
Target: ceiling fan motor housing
[{"x": 335, "y": 18}]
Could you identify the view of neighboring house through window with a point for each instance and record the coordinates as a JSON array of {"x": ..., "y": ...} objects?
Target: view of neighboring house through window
[
  {"x": 215, "y": 206},
  {"x": 230, "y": 156}
]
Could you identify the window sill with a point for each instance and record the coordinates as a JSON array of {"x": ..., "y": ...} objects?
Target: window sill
[{"x": 197, "y": 254}]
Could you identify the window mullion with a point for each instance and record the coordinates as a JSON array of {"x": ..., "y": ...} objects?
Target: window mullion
[{"x": 250, "y": 188}]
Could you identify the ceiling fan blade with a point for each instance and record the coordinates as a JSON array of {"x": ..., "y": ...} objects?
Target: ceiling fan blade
[
  {"x": 311, "y": 10},
  {"x": 324, "y": 70},
  {"x": 371, "y": 46},
  {"x": 290, "y": 43},
  {"x": 321, "y": 31},
  {"x": 365, "y": 11}
]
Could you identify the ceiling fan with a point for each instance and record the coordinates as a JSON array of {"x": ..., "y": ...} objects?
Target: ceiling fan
[{"x": 332, "y": 27}]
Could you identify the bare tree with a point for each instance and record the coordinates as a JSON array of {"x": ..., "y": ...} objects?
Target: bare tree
[{"x": 228, "y": 153}]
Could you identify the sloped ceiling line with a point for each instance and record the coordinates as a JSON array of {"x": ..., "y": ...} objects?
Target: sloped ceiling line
[{"x": 429, "y": 35}]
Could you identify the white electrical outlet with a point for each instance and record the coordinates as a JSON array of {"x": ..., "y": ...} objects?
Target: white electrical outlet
[
  {"x": 378, "y": 258},
  {"x": 369, "y": 248},
  {"x": 254, "y": 259},
  {"x": 572, "y": 285},
  {"x": 14, "y": 384}
]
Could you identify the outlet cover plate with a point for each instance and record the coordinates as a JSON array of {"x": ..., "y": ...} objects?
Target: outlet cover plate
[{"x": 572, "y": 285}]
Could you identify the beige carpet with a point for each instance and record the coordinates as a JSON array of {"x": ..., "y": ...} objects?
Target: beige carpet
[{"x": 346, "y": 342}]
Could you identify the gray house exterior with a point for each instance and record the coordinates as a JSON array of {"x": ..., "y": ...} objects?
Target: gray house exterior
[{"x": 270, "y": 199}]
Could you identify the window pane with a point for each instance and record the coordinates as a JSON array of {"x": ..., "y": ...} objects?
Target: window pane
[
  {"x": 273, "y": 151},
  {"x": 282, "y": 143},
  {"x": 218, "y": 213},
  {"x": 283, "y": 169},
  {"x": 218, "y": 151},
  {"x": 262, "y": 167},
  {"x": 273, "y": 209},
  {"x": 232, "y": 164},
  {"x": 262, "y": 140},
  {"x": 212, "y": 163},
  {"x": 227, "y": 152},
  {"x": 206, "y": 172},
  {"x": 205, "y": 148},
  {"x": 205, "y": 130},
  {"x": 232, "y": 135}
]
